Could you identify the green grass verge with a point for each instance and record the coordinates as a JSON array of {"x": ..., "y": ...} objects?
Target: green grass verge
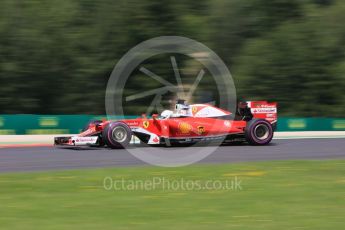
[{"x": 274, "y": 195}]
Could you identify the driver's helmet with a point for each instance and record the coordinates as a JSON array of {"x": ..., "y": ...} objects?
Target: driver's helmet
[{"x": 182, "y": 108}]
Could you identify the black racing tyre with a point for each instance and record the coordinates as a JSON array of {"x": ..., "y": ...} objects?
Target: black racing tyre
[
  {"x": 117, "y": 135},
  {"x": 258, "y": 132}
]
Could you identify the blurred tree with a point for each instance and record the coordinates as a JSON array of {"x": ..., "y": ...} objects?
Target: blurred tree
[
  {"x": 294, "y": 65},
  {"x": 233, "y": 22},
  {"x": 56, "y": 56},
  {"x": 323, "y": 2}
]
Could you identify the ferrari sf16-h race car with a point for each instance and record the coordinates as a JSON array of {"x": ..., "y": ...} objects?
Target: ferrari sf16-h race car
[{"x": 253, "y": 122}]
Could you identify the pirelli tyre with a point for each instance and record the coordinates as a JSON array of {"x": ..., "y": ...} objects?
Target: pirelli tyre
[
  {"x": 258, "y": 132},
  {"x": 117, "y": 135}
]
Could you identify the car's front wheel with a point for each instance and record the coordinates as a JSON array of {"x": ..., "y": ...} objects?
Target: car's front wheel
[{"x": 117, "y": 135}]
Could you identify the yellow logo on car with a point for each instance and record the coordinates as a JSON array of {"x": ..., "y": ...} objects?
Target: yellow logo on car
[
  {"x": 146, "y": 124},
  {"x": 185, "y": 128},
  {"x": 201, "y": 130},
  {"x": 194, "y": 109}
]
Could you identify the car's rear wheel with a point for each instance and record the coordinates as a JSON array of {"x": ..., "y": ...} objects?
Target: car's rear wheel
[
  {"x": 117, "y": 135},
  {"x": 258, "y": 132}
]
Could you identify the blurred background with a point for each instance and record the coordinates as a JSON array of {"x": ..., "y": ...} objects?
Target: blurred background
[{"x": 56, "y": 56}]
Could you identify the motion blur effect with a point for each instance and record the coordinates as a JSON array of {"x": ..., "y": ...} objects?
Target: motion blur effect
[
  {"x": 57, "y": 56},
  {"x": 246, "y": 131}
]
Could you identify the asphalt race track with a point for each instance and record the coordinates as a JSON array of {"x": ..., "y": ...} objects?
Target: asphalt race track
[{"x": 51, "y": 158}]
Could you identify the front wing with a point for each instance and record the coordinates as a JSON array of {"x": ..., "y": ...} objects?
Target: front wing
[{"x": 76, "y": 141}]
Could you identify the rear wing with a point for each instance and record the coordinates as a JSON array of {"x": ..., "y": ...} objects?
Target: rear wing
[{"x": 264, "y": 110}]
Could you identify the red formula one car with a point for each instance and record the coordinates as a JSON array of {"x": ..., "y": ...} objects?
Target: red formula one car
[{"x": 253, "y": 122}]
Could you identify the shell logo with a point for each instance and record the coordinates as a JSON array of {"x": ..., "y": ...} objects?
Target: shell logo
[{"x": 185, "y": 128}]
